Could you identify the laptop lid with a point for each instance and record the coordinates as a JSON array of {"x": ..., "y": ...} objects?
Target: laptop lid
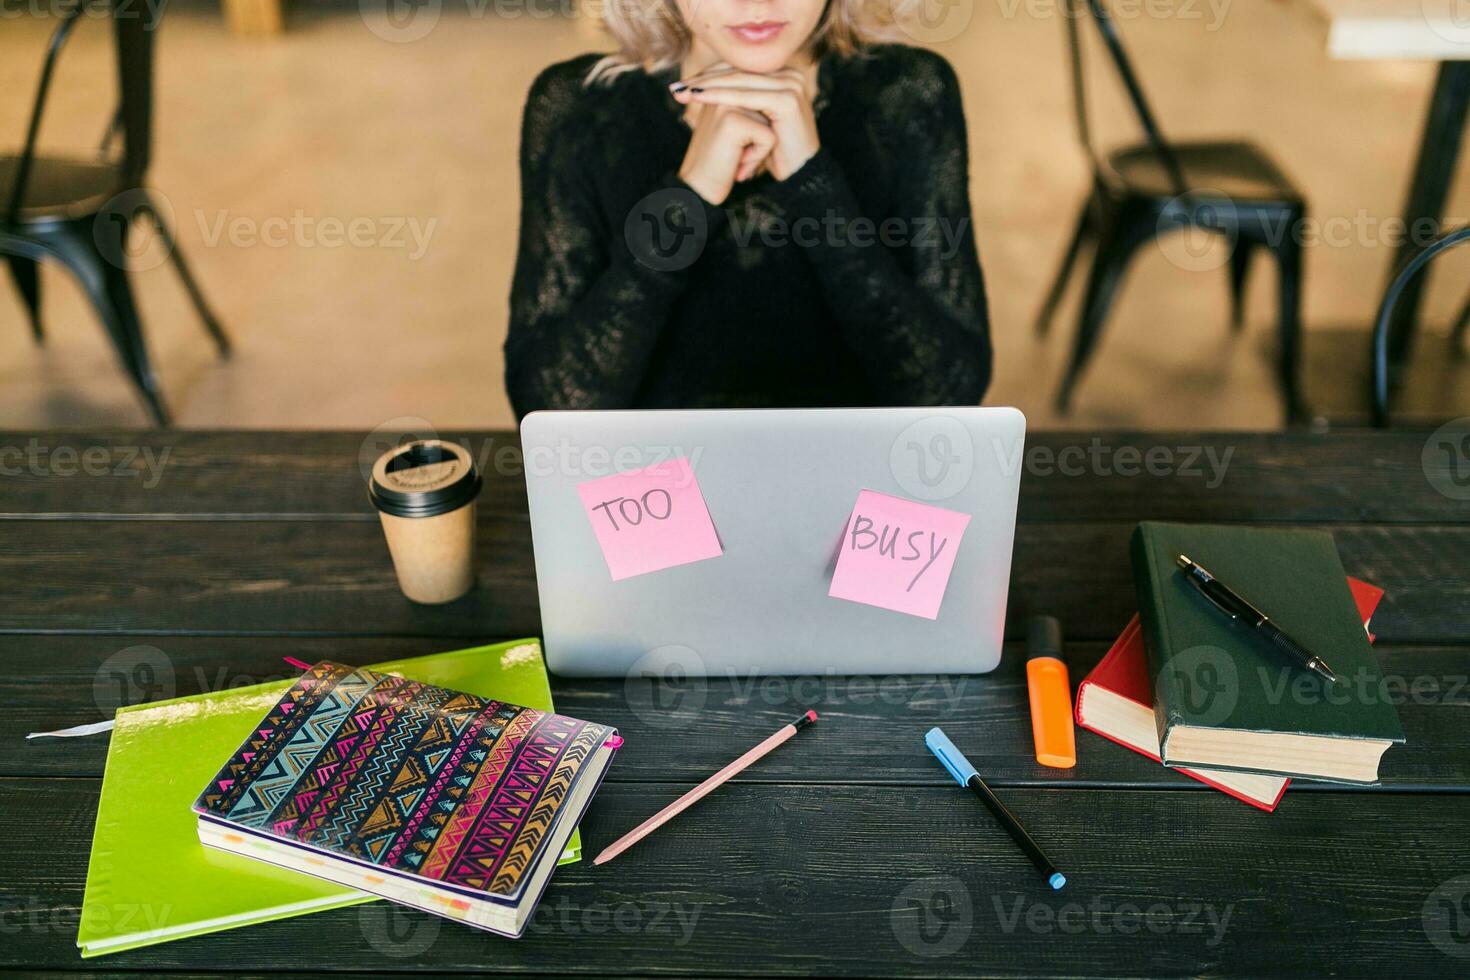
[{"x": 779, "y": 485}]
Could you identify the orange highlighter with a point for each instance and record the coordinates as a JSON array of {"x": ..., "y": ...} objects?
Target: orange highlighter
[{"x": 1051, "y": 694}]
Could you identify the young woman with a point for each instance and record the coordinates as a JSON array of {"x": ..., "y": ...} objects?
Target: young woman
[{"x": 749, "y": 205}]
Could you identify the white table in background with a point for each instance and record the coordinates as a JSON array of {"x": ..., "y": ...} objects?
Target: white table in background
[{"x": 1419, "y": 30}]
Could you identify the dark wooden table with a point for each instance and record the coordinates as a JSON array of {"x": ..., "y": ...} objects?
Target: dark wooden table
[{"x": 850, "y": 852}]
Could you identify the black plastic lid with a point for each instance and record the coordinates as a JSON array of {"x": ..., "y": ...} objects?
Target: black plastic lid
[
  {"x": 1043, "y": 638},
  {"x": 423, "y": 479}
]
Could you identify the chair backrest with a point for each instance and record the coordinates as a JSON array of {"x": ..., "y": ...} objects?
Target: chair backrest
[
  {"x": 1074, "y": 11},
  {"x": 1378, "y": 380},
  {"x": 134, "y": 25}
]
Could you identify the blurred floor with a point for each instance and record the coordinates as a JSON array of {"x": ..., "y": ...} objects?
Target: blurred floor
[{"x": 270, "y": 150}]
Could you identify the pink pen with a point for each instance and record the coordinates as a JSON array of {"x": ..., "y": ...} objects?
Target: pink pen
[{"x": 702, "y": 790}]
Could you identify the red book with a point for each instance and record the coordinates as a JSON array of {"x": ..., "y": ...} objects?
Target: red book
[{"x": 1116, "y": 701}]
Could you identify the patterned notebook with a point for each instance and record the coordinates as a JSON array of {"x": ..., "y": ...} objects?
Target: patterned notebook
[{"x": 434, "y": 798}]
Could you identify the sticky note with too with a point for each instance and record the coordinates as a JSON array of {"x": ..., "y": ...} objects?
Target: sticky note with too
[
  {"x": 649, "y": 519},
  {"x": 897, "y": 554}
]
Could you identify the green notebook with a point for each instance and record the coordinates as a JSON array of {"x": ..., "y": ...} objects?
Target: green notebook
[
  {"x": 1225, "y": 698},
  {"x": 150, "y": 880}
]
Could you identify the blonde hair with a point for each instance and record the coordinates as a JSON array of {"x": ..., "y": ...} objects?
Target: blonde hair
[{"x": 652, "y": 35}]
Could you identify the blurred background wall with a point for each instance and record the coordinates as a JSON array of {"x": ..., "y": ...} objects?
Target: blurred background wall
[{"x": 347, "y": 192}]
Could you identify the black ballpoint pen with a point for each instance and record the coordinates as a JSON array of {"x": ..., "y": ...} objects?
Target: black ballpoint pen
[
  {"x": 1225, "y": 599},
  {"x": 964, "y": 773}
]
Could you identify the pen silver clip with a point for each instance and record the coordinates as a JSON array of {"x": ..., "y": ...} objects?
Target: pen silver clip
[{"x": 1198, "y": 577}]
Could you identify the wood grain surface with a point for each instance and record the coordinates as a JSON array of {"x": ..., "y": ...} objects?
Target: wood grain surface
[{"x": 141, "y": 565}]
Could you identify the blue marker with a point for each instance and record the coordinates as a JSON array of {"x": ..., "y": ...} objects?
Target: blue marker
[{"x": 959, "y": 767}]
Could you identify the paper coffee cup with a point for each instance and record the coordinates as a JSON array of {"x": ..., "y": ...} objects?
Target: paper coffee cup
[{"x": 425, "y": 494}]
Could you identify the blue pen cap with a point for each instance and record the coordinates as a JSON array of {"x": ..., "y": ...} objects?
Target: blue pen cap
[{"x": 952, "y": 758}]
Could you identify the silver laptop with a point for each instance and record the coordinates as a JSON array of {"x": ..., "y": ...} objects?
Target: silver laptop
[{"x": 779, "y": 485}]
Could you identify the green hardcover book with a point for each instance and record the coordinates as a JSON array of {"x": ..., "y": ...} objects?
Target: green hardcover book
[
  {"x": 1224, "y": 697},
  {"x": 149, "y": 879}
]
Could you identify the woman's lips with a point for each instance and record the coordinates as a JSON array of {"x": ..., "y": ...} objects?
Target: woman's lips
[{"x": 757, "y": 32}]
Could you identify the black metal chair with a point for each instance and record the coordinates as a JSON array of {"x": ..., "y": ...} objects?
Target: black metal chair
[
  {"x": 1380, "y": 382},
  {"x": 1462, "y": 327},
  {"x": 79, "y": 212},
  {"x": 1145, "y": 191}
]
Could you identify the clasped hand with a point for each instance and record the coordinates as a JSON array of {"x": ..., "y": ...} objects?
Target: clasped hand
[{"x": 745, "y": 123}]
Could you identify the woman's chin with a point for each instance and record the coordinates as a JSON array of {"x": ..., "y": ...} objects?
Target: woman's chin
[{"x": 758, "y": 59}]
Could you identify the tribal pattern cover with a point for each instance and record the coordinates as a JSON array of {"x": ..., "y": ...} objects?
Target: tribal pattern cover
[{"x": 410, "y": 777}]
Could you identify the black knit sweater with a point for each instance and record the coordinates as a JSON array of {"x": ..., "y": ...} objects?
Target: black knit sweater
[{"x": 854, "y": 282}]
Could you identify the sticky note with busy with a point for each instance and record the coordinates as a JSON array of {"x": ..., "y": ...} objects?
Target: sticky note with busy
[{"x": 897, "y": 554}]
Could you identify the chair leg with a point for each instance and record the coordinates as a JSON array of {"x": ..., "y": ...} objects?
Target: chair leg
[
  {"x": 1240, "y": 267},
  {"x": 106, "y": 284},
  {"x": 1462, "y": 325},
  {"x": 27, "y": 276},
  {"x": 1289, "y": 260},
  {"x": 1114, "y": 248},
  {"x": 120, "y": 313},
  {"x": 1080, "y": 235},
  {"x": 186, "y": 276}
]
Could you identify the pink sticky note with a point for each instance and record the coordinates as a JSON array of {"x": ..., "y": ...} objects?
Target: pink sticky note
[
  {"x": 650, "y": 519},
  {"x": 897, "y": 554}
]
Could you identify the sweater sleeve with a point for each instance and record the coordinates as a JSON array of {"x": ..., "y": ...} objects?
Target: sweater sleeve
[
  {"x": 906, "y": 288},
  {"x": 589, "y": 301}
]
